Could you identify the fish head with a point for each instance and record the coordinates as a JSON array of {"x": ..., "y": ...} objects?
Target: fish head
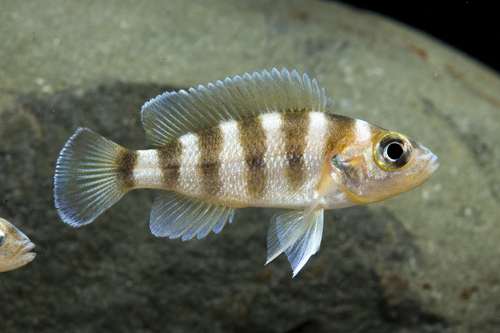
[
  {"x": 15, "y": 247},
  {"x": 380, "y": 164}
]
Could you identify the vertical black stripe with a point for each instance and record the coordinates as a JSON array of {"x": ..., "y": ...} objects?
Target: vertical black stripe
[
  {"x": 126, "y": 161},
  {"x": 295, "y": 127},
  {"x": 340, "y": 132},
  {"x": 253, "y": 141},
  {"x": 169, "y": 160},
  {"x": 210, "y": 143}
]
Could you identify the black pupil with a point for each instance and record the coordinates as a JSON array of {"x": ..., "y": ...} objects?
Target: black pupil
[{"x": 394, "y": 151}]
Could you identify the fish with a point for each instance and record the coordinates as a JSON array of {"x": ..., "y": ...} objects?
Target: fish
[
  {"x": 15, "y": 247},
  {"x": 264, "y": 139}
]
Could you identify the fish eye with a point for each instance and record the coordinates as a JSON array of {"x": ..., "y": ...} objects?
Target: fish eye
[
  {"x": 392, "y": 151},
  {"x": 3, "y": 237}
]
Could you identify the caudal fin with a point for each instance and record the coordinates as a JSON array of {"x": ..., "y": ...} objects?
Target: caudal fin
[{"x": 92, "y": 174}]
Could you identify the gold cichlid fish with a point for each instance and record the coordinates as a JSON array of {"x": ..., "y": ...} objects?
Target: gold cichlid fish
[
  {"x": 15, "y": 247},
  {"x": 260, "y": 140}
]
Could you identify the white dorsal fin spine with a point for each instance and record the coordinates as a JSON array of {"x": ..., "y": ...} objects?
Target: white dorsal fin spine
[{"x": 172, "y": 114}]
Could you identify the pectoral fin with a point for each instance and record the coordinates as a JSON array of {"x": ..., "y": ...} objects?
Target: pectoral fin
[{"x": 297, "y": 233}]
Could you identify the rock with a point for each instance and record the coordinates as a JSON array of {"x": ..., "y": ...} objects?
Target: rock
[{"x": 425, "y": 261}]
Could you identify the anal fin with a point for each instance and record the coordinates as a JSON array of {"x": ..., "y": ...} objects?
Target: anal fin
[
  {"x": 175, "y": 215},
  {"x": 297, "y": 233}
]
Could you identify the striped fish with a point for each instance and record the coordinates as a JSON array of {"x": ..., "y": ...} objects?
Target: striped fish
[{"x": 263, "y": 140}]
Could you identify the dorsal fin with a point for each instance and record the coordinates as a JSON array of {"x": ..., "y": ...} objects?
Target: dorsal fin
[{"x": 172, "y": 114}]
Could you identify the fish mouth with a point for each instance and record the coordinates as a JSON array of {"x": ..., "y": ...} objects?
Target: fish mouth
[
  {"x": 427, "y": 170},
  {"x": 432, "y": 165},
  {"x": 25, "y": 253},
  {"x": 28, "y": 247}
]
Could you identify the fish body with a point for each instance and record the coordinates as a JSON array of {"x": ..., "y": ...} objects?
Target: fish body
[
  {"x": 248, "y": 163},
  {"x": 261, "y": 140},
  {"x": 15, "y": 247}
]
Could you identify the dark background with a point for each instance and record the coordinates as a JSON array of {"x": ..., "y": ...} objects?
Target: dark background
[{"x": 471, "y": 26}]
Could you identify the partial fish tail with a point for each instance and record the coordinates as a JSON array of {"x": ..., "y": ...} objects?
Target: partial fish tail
[{"x": 92, "y": 174}]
